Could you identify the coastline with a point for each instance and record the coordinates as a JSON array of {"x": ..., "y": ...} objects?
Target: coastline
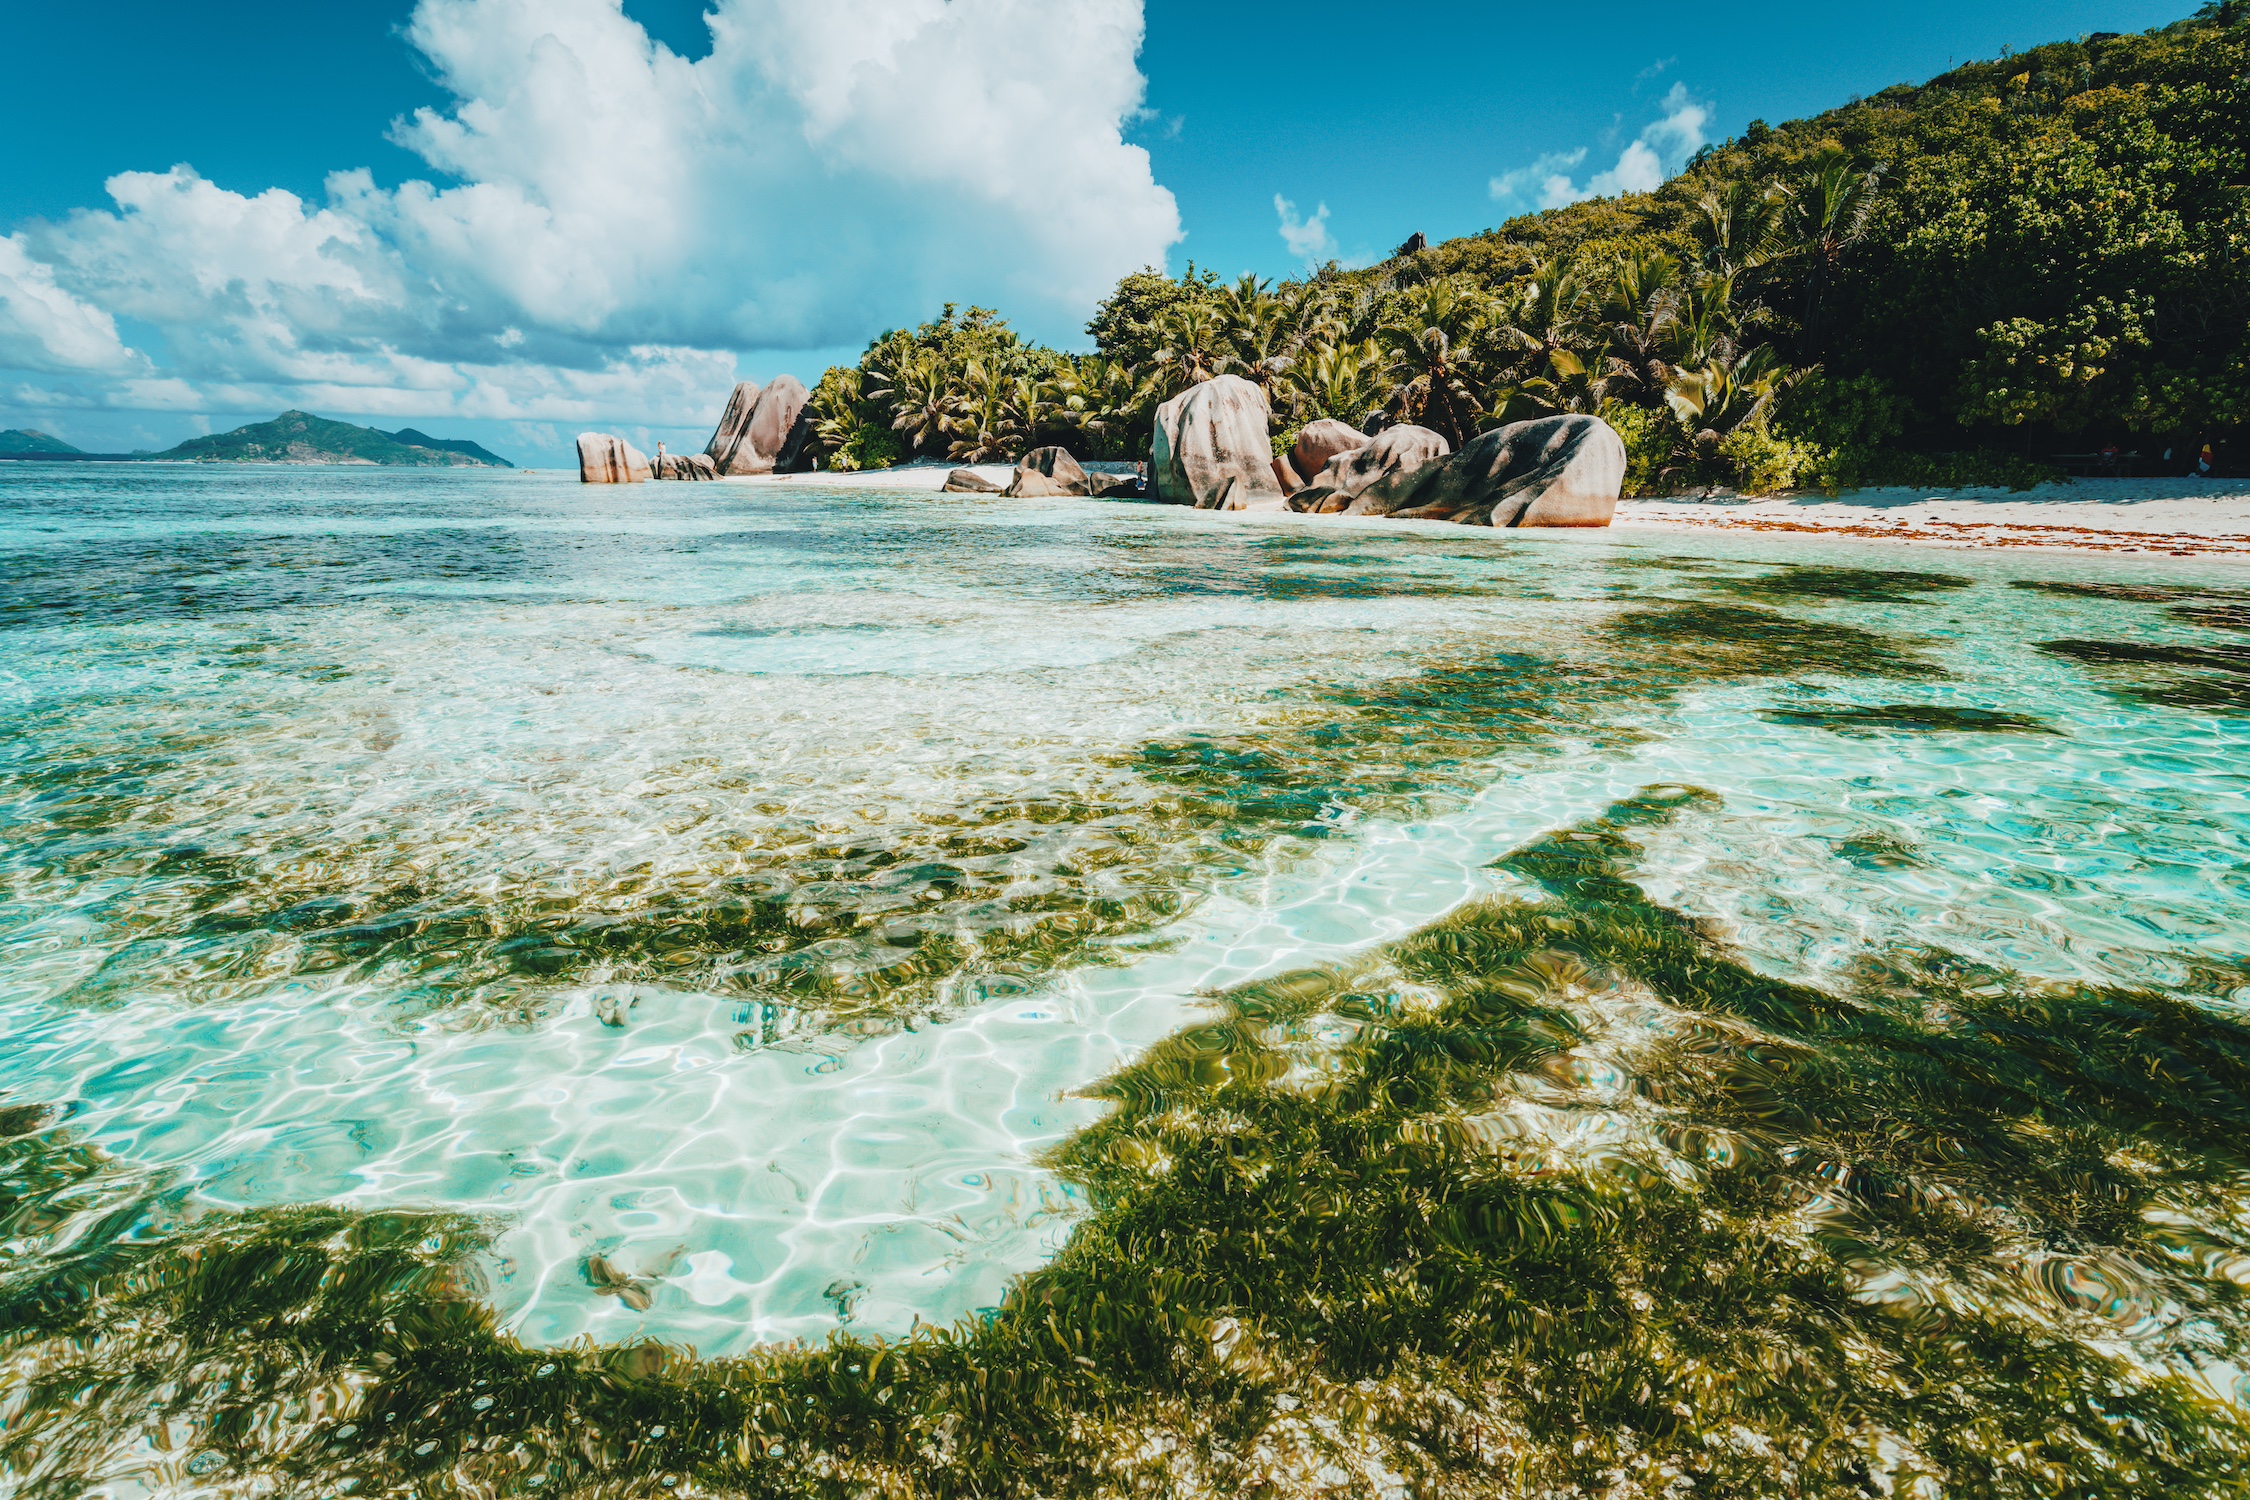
[{"x": 2176, "y": 517}]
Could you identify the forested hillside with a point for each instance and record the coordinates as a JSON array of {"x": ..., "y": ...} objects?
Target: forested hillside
[{"x": 1959, "y": 281}]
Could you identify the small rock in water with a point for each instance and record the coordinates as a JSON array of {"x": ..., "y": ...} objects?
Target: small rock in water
[
  {"x": 603, "y": 459},
  {"x": 1047, "y": 471},
  {"x": 969, "y": 482},
  {"x": 684, "y": 466}
]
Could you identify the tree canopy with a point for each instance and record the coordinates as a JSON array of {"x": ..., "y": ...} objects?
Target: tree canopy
[{"x": 1944, "y": 283}]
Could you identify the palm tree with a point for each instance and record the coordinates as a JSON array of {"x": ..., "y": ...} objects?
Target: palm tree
[
  {"x": 1639, "y": 307},
  {"x": 1428, "y": 338},
  {"x": 921, "y": 402},
  {"x": 1028, "y": 409},
  {"x": 1731, "y": 393},
  {"x": 1546, "y": 313},
  {"x": 1192, "y": 333},
  {"x": 1262, "y": 346},
  {"x": 1107, "y": 399},
  {"x": 1828, "y": 216},
  {"x": 977, "y": 398},
  {"x": 1340, "y": 380},
  {"x": 1571, "y": 382},
  {"x": 1740, "y": 227},
  {"x": 835, "y": 420}
]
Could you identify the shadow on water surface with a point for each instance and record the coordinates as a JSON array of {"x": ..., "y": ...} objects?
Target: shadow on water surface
[{"x": 1555, "y": 1195}]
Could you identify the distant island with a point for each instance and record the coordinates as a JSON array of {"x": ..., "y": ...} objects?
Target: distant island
[
  {"x": 298, "y": 437},
  {"x": 27, "y": 442},
  {"x": 294, "y": 437}
]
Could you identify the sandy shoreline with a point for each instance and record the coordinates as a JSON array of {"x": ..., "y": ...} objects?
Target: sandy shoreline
[{"x": 2176, "y": 517}]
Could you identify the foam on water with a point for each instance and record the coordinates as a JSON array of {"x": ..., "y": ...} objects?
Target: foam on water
[{"x": 736, "y": 884}]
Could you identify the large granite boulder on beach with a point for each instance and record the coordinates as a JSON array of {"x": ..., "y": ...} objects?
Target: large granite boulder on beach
[
  {"x": 1211, "y": 448},
  {"x": 763, "y": 431},
  {"x": 1557, "y": 471},
  {"x": 1047, "y": 471},
  {"x": 1378, "y": 476},
  {"x": 1321, "y": 440},
  {"x": 603, "y": 459},
  {"x": 968, "y": 482},
  {"x": 684, "y": 466},
  {"x": 1112, "y": 486},
  {"x": 733, "y": 434}
]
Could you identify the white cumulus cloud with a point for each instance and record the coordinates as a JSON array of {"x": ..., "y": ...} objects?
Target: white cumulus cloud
[
  {"x": 44, "y": 328},
  {"x": 612, "y": 224},
  {"x": 1307, "y": 239},
  {"x": 1661, "y": 149}
]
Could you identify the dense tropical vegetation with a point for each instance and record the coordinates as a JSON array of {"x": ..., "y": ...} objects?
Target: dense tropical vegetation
[{"x": 1943, "y": 283}]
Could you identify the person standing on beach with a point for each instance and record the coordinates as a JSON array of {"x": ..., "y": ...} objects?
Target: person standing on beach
[{"x": 2203, "y": 463}]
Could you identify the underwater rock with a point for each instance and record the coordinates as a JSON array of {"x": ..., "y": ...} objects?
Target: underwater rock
[
  {"x": 1378, "y": 476},
  {"x": 734, "y": 426},
  {"x": 1048, "y": 471},
  {"x": 683, "y": 466},
  {"x": 1321, "y": 440},
  {"x": 771, "y": 438},
  {"x": 1555, "y": 471},
  {"x": 1211, "y": 449},
  {"x": 603, "y": 459},
  {"x": 969, "y": 482}
]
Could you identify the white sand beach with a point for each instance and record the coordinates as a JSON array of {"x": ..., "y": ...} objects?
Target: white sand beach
[{"x": 2179, "y": 517}]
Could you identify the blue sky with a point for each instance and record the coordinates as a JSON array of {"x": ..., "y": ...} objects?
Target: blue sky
[{"x": 584, "y": 231}]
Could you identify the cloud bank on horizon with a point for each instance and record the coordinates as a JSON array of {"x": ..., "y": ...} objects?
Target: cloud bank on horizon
[{"x": 617, "y": 221}]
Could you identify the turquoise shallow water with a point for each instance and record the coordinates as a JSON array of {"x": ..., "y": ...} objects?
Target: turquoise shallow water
[{"x": 734, "y": 887}]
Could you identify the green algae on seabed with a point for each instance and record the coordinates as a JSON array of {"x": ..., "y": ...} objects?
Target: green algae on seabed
[
  {"x": 836, "y": 926},
  {"x": 1803, "y": 582},
  {"x": 1555, "y": 1196},
  {"x": 1935, "y": 718},
  {"x": 2165, "y": 673}
]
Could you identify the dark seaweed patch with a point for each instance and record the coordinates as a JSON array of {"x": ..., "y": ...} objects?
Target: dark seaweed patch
[
  {"x": 2175, "y": 676},
  {"x": 2215, "y": 616},
  {"x": 2139, "y": 593},
  {"x": 1862, "y": 720},
  {"x": 1734, "y": 640},
  {"x": 1835, "y": 1239},
  {"x": 1861, "y": 585},
  {"x": 1877, "y": 851}
]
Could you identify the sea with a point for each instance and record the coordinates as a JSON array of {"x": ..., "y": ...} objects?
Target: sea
[{"x": 731, "y": 915}]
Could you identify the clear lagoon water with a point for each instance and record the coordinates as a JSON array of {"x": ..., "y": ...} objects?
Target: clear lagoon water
[{"x": 729, "y": 901}]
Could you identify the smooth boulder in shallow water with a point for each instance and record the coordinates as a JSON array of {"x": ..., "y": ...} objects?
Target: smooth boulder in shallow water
[
  {"x": 1555, "y": 471},
  {"x": 1048, "y": 471},
  {"x": 762, "y": 431},
  {"x": 1378, "y": 476},
  {"x": 1320, "y": 440},
  {"x": 1211, "y": 448},
  {"x": 969, "y": 482},
  {"x": 734, "y": 426},
  {"x": 603, "y": 459},
  {"x": 684, "y": 466}
]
